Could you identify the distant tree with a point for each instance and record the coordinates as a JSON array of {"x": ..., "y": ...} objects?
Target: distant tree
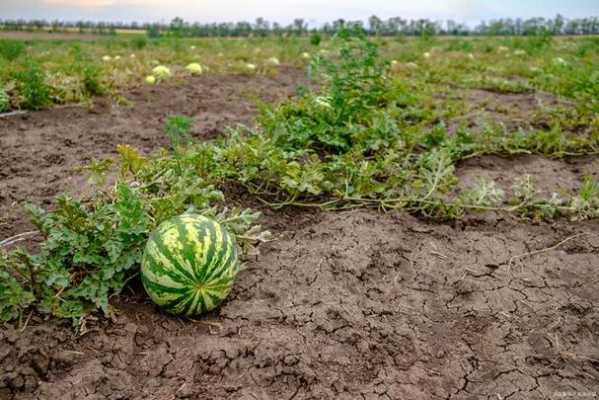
[
  {"x": 558, "y": 24},
  {"x": 338, "y": 24},
  {"x": 261, "y": 26},
  {"x": 299, "y": 26},
  {"x": 375, "y": 25},
  {"x": 153, "y": 31},
  {"x": 177, "y": 27}
]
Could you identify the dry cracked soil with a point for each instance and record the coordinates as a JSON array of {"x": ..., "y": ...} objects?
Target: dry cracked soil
[{"x": 349, "y": 305}]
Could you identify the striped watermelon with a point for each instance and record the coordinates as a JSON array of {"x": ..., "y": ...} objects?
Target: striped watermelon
[{"x": 189, "y": 264}]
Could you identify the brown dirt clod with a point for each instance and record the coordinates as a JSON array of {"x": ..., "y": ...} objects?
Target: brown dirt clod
[{"x": 347, "y": 305}]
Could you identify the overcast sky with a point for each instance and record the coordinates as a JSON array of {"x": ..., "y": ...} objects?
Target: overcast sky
[{"x": 314, "y": 11}]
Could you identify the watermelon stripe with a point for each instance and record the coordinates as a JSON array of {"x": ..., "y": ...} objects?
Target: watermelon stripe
[
  {"x": 226, "y": 246},
  {"x": 217, "y": 297},
  {"x": 162, "y": 263},
  {"x": 190, "y": 248},
  {"x": 176, "y": 239},
  {"x": 183, "y": 305},
  {"x": 220, "y": 245},
  {"x": 208, "y": 250},
  {"x": 228, "y": 263},
  {"x": 231, "y": 261},
  {"x": 155, "y": 272},
  {"x": 219, "y": 287},
  {"x": 214, "y": 270},
  {"x": 220, "y": 275},
  {"x": 207, "y": 301},
  {"x": 210, "y": 254},
  {"x": 166, "y": 297},
  {"x": 196, "y": 234},
  {"x": 171, "y": 306},
  {"x": 165, "y": 289},
  {"x": 194, "y": 302},
  {"x": 173, "y": 262}
]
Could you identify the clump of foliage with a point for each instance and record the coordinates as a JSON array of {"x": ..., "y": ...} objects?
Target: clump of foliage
[
  {"x": 529, "y": 203},
  {"x": 88, "y": 72},
  {"x": 460, "y": 45},
  {"x": 139, "y": 42},
  {"x": 588, "y": 46},
  {"x": 91, "y": 80},
  {"x": 153, "y": 31},
  {"x": 34, "y": 89},
  {"x": 350, "y": 115},
  {"x": 177, "y": 128},
  {"x": 4, "y": 100},
  {"x": 92, "y": 248},
  {"x": 352, "y": 144},
  {"x": 10, "y": 50},
  {"x": 315, "y": 39},
  {"x": 540, "y": 41}
]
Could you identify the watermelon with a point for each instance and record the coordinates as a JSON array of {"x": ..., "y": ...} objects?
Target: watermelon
[{"x": 189, "y": 265}]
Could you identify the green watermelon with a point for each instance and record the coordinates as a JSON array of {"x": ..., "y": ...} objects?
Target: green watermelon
[{"x": 189, "y": 264}]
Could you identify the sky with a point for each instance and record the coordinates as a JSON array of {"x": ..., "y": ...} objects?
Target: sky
[{"x": 284, "y": 11}]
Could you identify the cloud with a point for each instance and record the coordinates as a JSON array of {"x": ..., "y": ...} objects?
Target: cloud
[
  {"x": 80, "y": 3},
  {"x": 96, "y": 3},
  {"x": 315, "y": 11}
]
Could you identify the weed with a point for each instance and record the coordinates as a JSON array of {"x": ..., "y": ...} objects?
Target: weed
[
  {"x": 588, "y": 46},
  {"x": 460, "y": 45},
  {"x": 34, "y": 89},
  {"x": 177, "y": 128},
  {"x": 4, "y": 100},
  {"x": 315, "y": 39},
  {"x": 153, "y": 31},
  {"x": 585, "y": 204},
  {"x": 91, "y": 80},
  {"x": 352, "y": 113},
  {"x": 15, "y": 296},
  {"x": 139, "y": 43},
  {"x": 534, "y": 44},
  {"x": 10, "y": 50},
  {"x": 484, "y": 194}
]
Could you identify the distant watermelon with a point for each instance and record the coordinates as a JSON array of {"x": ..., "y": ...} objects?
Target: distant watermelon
[{"x": 189, "y": 265}]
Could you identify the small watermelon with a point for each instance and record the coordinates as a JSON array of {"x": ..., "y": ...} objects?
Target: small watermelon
[{"x": 189, "y": 264}]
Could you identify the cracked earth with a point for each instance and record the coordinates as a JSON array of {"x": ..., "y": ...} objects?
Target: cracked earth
[
  {"x": 350, "y": 305},
  {"x": 353, "y": 305}
]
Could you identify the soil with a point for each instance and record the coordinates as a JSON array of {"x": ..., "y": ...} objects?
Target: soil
[
  {"x": 513, "y": 112},
  {"x": 348, "y": 305},
  {"x": 40, "y": 152},
  {"x": 549, "y": 176},
  {"x": 67, "y": 36}
]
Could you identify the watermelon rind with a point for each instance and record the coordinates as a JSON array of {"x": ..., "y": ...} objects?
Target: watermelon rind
[{"x": 189, "y": 265}]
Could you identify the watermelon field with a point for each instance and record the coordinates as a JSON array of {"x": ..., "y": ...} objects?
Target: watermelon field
[{"x": 414, "y": 217}]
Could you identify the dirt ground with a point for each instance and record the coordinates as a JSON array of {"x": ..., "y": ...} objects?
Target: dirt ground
[
  {"x": 349, "y": 305},
  {"x": 40, "y": 152},
  {"x": 50, "y": 36}
]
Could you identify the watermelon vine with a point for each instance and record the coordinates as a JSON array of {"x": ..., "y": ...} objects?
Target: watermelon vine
[{"x": 351, "y": 143}]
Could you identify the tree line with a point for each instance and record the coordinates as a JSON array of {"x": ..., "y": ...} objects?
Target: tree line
[{"x": 373, "y": 26}]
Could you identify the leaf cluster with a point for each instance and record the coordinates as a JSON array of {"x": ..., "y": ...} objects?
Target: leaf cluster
[
  {"x": 93, "y": 247},
  {"x": 4, "y": 100},
  {"x": 358, "y": 138}
]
